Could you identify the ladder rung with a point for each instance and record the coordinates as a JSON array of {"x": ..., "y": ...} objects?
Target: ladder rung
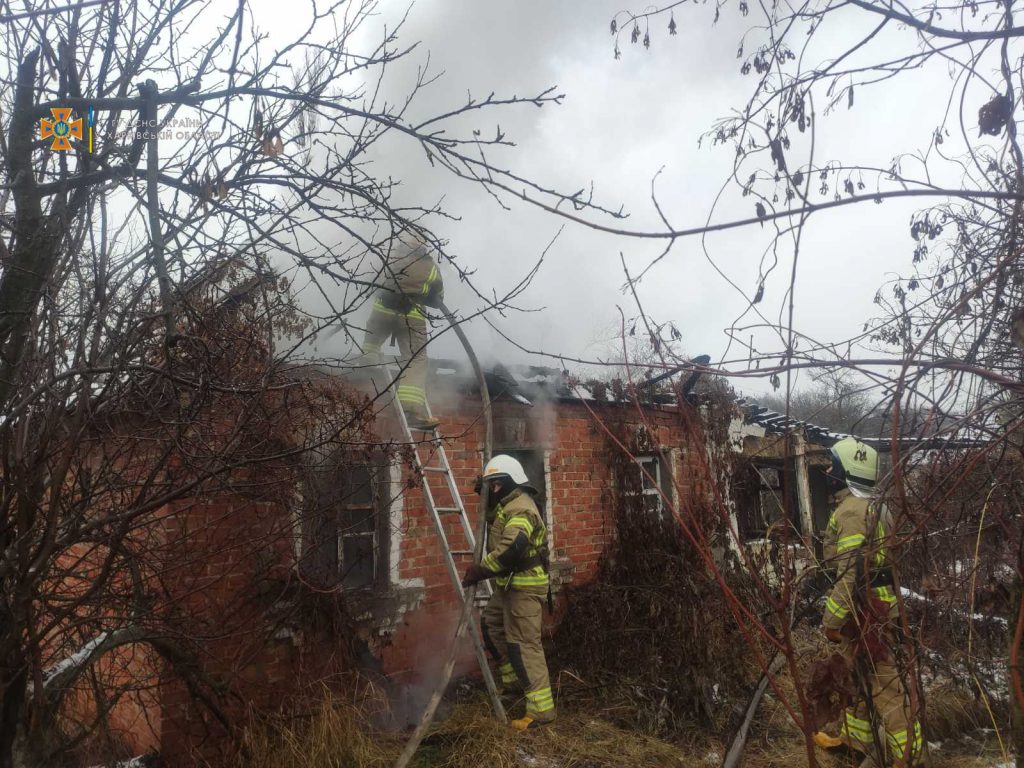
[
  {"x": 462, "y": 551},
  {"x": 446, "y": 510},
  {"x": 434, "y": 469}
]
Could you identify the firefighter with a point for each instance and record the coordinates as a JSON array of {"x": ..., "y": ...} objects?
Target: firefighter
[
  {"x": 517, "y": 558},
  {"x": 861, "y": 614},
  {"x": 412, "y": 282}
]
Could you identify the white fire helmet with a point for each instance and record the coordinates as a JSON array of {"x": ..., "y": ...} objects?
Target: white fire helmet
[{"x": 505, "y": 466}]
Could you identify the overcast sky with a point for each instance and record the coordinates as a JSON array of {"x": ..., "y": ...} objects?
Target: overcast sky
[{"x": 620, "y": 123}]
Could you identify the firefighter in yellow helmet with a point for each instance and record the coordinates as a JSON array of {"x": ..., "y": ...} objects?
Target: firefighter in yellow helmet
[
  {"x": 411, "y": 282},
  {"x": 517, "y": 558},
  {"x": 861, "y": 614}
]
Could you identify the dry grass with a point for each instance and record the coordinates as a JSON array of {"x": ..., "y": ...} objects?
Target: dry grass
[
  {"x": 977, "y": 750},
  {"x": 952, "y": 711},
  {"x": 472, "y": 738},
  {"x": 340, "y": 735}
]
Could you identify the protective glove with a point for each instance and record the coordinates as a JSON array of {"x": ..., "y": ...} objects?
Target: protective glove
[
  {"x": 475, "y": 573},
  {"x": 843, "y": 634},
  {"x": 478, "y": 484},
  {"x": 434, "y": 297}
]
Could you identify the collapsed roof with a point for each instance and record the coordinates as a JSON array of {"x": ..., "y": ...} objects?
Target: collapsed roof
[{"x": 529, "y": 384}]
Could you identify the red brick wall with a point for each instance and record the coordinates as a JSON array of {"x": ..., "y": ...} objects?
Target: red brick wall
[
  {"x": 230, "y": 539},
  {"x": 576, "y": 450},
  {"x": 219, "y": 551}
]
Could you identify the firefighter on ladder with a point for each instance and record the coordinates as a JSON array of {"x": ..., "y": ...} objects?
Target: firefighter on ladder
[
  {"x": 517, "y": 558},
  {"x": 412, "y": 282},
  {"x": 861, "y": 619}
]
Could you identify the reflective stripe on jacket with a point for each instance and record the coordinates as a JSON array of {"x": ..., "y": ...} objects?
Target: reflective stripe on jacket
[
  {"x": 412, "y": 281},
  {"x": 855, "y": 524},
  {"x": 517, "y": 513}
]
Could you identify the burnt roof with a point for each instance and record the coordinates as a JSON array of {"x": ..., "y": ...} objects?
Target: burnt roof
[
  {"x": 528, "y": 384},
  {"x": 778, "y": 423}
]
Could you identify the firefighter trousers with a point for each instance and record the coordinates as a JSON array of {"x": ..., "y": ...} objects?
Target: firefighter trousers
[
  {"x": 410, "y": 330},
  {"x": 511, "y": 628},
  {"x": 880, "y": 688}
]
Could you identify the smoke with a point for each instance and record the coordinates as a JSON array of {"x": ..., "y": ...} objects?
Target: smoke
[
  {"x": 522, "y": 49},
  {"x": 545, "y": 421},
  {"x": 620, "y": 124},
  {"x": 426, "y": 638}
]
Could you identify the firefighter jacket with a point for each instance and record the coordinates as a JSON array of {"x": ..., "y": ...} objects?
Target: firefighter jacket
[
  {"x": 517, "y": 544},
  {"x": 412, "y": 281},
  {"x": 855, "y": 546}
]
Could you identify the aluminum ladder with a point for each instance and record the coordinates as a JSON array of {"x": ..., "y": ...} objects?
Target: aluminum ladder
[{"x": 433, "y": 443}]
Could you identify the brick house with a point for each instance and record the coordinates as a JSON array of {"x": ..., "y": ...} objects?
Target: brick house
[
  {"x": 357, "y": 530},
  {"x": 282, "y": 580},
  {"x": 355, "y": 534}
]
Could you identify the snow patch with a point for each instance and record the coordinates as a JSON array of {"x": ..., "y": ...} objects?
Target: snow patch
[
  {"x": 75, "y": 660},
  {"x": 136, "y": 762},
  {"x": 914, "y": 596},
  {"x": 532, "y": 761}
]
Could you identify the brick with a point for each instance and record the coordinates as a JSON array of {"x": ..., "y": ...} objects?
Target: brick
[{"x": 218, "y": 537}]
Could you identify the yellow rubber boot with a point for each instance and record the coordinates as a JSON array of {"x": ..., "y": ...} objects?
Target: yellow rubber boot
[
  {"x": 825, "y": 741},
  {"x": 525, "y": 722}
]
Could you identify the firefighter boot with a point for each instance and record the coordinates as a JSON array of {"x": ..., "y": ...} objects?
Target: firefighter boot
[
  {"x": 527, "y": 722},
  {"x": 826, "y": 741}
]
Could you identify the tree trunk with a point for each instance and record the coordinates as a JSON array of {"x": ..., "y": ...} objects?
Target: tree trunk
[
  {"x": 1016, "y": 706},
  {"x": 15, "y": 676},
  {"x": 37, "y": 237}
]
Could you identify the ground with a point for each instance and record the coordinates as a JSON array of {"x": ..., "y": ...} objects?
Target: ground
[{"x": 583, "y": 737}]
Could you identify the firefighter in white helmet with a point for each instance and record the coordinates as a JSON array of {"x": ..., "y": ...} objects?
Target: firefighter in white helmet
[
  {"x": 517, "y": 558},
  {"x": 861, "y": 614}
]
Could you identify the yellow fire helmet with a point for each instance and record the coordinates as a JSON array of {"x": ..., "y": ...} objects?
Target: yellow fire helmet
[{"x": 859, "y": 463}]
